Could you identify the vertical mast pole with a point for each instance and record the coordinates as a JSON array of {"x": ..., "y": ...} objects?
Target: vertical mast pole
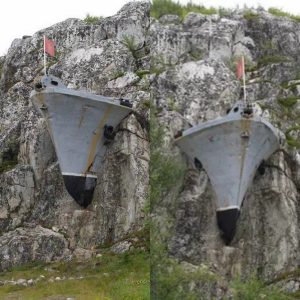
[
  {"x": 209, "y": 39},
  {"x": 244, "y": 79},
  {"x": 45, "y": 58}
]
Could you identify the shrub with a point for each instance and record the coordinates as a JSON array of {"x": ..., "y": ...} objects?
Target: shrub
[
  {"x": 91, "y": 19},
  {"x": 249, "y": 15},
  {"x": 165, "y": 7},
  {"x": 280, "y": 13}
]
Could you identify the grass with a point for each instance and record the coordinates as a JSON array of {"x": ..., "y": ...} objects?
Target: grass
[
  {"x": 165, "y": 7},
  {"x": 110, "y": 277},
  {"x": 280, "y": 13},
  {"x": 255, "y": 288},
  {"x": 92, "y": 19}
]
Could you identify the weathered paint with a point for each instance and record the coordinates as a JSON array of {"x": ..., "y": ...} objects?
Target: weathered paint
[
  {"x": 230, "y": 150},
  {"x": 75, "y": 121}
]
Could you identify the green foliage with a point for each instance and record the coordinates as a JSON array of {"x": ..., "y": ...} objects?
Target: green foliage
[
  {"x": 225, "y": 12},
  {"x": 288, "y": 102},
  {"x": 249, "y": 15},
  {"x": 289, "y": 116},
  {"x": 125, "y": 276},
  {"x": 117, "y": 74},
  {"x": 232, "y": 63},
  {"x": 91, "y": 19},
  {"x": 9, "y": 157},
  {"x": 159, "y": 64},
  {"x": 141, "y": 73},
  {"x": 291, "y": 86},
  {"x": 165, "y": 171},
  {"x": 165, "y": 7},
  {"x": 294, "y": 143},
  {"x": 130, "y": 43},
  {"x": 169, "y": 279},
  {"x": 280, "y": 13},
  {"x": 256, "y": 289},
  {"x": 196, "y": 55},
  {"x": 271, "y": 59},
  {"x": 172, "y": 105}
]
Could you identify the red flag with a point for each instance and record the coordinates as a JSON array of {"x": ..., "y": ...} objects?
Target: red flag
[
  {"x": 240, "y": 68},
  {"x": 49, "y": 47}
]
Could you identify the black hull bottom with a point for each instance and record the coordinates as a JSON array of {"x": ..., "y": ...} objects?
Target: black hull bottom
[
  {"x": 80, "y": 188},
  {"x": 227, "y": 223}
]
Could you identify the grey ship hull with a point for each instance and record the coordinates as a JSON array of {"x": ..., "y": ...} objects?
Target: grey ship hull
[
  {"x": 230, "y": 149},
  {"x": 76, "y": 121}
]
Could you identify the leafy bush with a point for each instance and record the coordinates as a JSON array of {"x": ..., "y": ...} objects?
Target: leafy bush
[{"x": 91, "y": 19}]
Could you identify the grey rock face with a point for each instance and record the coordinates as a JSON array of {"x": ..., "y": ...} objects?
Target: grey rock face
[
  {"x": 196, "y": 83},
  {"x": 102, "y": 58},
  {"x": 25, "y": 245}
]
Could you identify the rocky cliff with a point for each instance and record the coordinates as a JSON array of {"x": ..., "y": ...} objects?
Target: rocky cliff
[
  {"x": 191, "y": 76},
  {"x": 38, "y": 219},
  {"x": 195, "y": 82}
]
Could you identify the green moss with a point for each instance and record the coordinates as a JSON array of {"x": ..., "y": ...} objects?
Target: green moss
[
  {"x": 288, "y": 102},
  {"x": 271, "y": 59},
  {"x": 92, "y": 19},
  {"x": 249, "y": 15},
  {"x": 280, "y": 13},
  {"x": 165, "y": 7}
]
